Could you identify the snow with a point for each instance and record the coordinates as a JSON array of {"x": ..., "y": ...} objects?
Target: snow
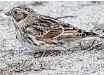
[{"x": 80, "y": 62}]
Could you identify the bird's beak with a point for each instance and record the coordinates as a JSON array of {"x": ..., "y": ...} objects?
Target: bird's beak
[{"x": 8, "y": 13}]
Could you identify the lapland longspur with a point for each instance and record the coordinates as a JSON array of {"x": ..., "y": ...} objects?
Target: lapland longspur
[{"x": 40, "y": 32}]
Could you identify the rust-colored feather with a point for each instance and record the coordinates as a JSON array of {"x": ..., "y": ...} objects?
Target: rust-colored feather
[
  {"x": 52, "y": 33},
  {"x": 71, "y": 30}
]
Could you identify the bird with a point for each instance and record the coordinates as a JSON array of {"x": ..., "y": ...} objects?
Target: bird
[{"x": 41, "y": 32}]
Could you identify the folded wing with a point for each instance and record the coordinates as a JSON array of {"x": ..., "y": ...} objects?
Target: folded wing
[{"x": 53, "y": 33}]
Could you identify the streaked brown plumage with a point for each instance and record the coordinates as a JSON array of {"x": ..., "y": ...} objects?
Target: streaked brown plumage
[{"x": 39, "y": 31}]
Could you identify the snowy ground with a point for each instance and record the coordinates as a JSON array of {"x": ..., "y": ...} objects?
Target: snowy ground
[{"x": 18, "y": 60}]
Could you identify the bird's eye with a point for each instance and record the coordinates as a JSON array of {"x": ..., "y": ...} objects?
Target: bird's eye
[{"x": 15, "y": 12}]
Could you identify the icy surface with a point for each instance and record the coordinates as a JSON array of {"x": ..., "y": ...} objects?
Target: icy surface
[{"x": 81, "y": 62}]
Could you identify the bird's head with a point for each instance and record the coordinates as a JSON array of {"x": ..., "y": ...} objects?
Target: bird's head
[{"x": 19, "y": 13}]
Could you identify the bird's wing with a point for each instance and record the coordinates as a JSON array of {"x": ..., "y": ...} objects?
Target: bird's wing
[
  {"x": 72, "y": 31},
  {"x": 53, "y": 33},
  {"x": 67, "y": 27},
  {"x": 56, "y": 27}
]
